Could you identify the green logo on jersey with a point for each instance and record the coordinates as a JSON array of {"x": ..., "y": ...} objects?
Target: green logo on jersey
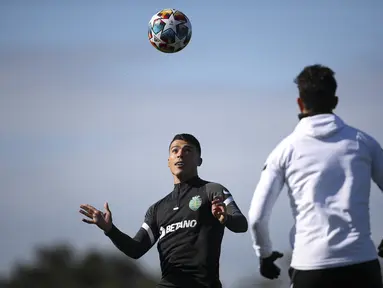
[{"x": 195, "y": 203}]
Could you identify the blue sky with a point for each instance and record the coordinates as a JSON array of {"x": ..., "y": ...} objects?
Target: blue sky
[{"x": 88, "y": 107}]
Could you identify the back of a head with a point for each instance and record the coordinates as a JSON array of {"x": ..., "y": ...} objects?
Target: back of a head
[
  {"x": 317, "y": 88},
  {"x": 189, "y": 139}
]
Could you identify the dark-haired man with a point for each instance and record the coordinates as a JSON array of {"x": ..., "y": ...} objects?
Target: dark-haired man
[
  {"x": 327, "y": 167},
  {"x": 188, "y": 223}
]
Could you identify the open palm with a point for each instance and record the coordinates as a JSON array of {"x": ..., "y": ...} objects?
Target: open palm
[{"x": 102, "y": 219}]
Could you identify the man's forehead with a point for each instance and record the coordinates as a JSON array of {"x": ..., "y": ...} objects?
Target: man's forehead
[{"x": 181, "y": 143}]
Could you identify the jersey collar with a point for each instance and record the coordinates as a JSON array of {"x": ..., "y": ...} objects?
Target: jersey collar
[
  {"x": 188, "y": 183},
  {"x": 304, "y": 115}
]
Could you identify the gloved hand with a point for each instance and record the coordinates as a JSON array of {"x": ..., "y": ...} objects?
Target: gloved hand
[
  {"x": 267, "y": 267},
  {"x": 380, "y": 249}
]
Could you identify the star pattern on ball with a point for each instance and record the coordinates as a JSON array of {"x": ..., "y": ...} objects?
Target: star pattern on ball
[
  {"x": 178, "y": 44},
  {"x": 171, "y": 23}
]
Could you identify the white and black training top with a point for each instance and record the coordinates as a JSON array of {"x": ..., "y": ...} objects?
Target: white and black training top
[{"x": 327, "y": 167}]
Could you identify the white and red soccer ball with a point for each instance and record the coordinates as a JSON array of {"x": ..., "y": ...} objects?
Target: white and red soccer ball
[{"x": 169, "y": 30}]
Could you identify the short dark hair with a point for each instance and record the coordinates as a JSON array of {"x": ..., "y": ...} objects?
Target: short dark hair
[
  {"x": 317, "y": 88},
  {"x": 189, "y": 139}
]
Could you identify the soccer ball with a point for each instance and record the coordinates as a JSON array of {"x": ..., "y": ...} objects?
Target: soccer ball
[{"x": 169, "y": 31}]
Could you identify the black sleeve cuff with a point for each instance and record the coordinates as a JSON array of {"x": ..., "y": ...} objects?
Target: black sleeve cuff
[{"x": 112, "y": 232}]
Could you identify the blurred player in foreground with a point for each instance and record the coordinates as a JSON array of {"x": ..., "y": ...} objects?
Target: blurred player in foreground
[
  {"x": 327, "y": 167},
  {"x": 188, "y": 223}
]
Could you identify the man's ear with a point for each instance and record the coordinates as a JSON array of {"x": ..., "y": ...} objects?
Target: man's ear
[
  {"x": 200, "y": 161},
  {"x": 168, "y": 162},
  {"x": 300, "y": 104}
]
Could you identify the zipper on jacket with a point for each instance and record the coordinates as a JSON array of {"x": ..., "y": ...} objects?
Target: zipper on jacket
[{"x": 177, "y": 191}]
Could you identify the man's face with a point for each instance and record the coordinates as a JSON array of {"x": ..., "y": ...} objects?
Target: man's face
[{"x": 183, "y": 158}]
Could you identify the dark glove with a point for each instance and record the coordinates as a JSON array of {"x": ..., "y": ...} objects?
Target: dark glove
[
  {"x": 267, "y": 267},
  {"x": 380, "y": 249}
]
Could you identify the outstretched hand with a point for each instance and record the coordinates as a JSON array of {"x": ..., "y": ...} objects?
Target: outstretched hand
[
  {"x": 267, "y": 267},
  {"x": 218, "y": 209},
  {"x": 102, "y": 219}
]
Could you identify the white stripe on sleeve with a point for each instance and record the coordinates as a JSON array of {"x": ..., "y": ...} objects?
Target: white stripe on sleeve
[
  {"x": 228, "y": 200},
  {"x": 150, "y": 232}
]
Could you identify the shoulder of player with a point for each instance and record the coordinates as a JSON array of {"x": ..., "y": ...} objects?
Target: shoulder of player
[
  {"x": 214, "y": 187},
  {"x": 366, "y": 138},
  {"x": 362, "y": 137},
  {"x": 163, "y": 201},
  {"x": 281, "y": 152}
]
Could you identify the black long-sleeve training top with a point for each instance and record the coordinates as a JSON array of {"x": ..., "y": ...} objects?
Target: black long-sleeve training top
[{"x": 189, "y": 236}]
